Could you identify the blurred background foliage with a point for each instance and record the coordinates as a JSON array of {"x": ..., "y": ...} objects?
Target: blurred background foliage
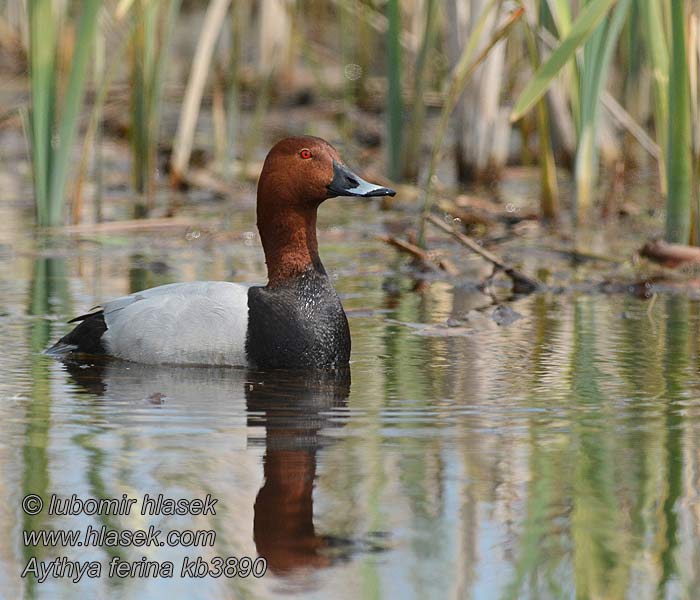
[{"x": 594, "y": 88}]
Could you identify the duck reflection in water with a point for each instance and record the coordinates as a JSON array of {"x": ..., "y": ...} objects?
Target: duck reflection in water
[
  {"x": 294, "y": 407},
  {"x": 293, "y": 413}
]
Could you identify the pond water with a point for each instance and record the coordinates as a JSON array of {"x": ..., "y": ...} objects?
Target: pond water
[{"x": 556, "y": 455}]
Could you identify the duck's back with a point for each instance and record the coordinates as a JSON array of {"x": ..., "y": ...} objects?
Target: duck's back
[{"x": 202, "y": 322}]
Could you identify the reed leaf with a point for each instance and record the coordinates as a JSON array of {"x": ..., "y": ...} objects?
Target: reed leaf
[
  {"x": 154, "y": 23},
  {"x": 561, "y": 13},
  {"x": 43, "y": 35},
  {"x": 73, "y": 100},
  {"x": 678, "y": 165},
  {"x": 412, "y": 148},
  {"x": 52, "y": 138},
  {"x": 652, "y": 18},
  {"x": 189, "y": 113},
  {"x": 585, "y": 24},
  {"x": 394, "y": 104},
  {"x": 597, "y": 54},
  {"x": 460, "y": 75},
  {"x": 549, "y": 191}
]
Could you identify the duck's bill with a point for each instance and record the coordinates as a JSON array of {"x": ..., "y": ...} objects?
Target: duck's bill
[{"x": 347, "y": 183}]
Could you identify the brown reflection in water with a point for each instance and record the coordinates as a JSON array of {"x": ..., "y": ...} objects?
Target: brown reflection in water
[
  {"x": 293, "y": 407},
  {"x": 293, "y": 411}
]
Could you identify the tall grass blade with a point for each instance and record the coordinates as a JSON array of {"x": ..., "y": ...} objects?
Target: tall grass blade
[
  {"x": 596, "y": 61},
  {"x": 52, "y": 138},
  {"x": 142, "y": 60},
  {"x": 678, "y": 165},
  {"x": 189, "y": 113},
  {"x": 160, "y": 62},
  {"x": 585, "y": 24},
  {"x": 43, "y": 34},
  {"x": 561, "y": 13},
  {"x": 459, "y": 78},
  {"x": 695, "y": 120},
  {"x": 239, "y": 18},
  {"x": 412, "y": 147},
  {"x": 549, "y": 191},
  {"x": 395, "y": 104},
  {"x": 73, "y": 100},
  {"x": 652, "y": 20},
  {"x": 154, "y": 23},
  {"x": 256, "y": 127}
]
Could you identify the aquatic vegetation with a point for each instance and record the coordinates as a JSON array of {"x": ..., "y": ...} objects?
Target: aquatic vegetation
[
  {"x": 460, "y": 76},
  {"x": 56, "y": 101},
  {"x": 678, "y": 155},
  {"x": 394, "y": 101},
  {"x": 413, "y": 64},
  {"x": 153, "y": 25},
  {"x": 596, "y": 32},
  {"x": 182, "y": 146}
]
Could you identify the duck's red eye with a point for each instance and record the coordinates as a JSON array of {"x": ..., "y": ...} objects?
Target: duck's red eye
[{"x": 305, "y": 153}]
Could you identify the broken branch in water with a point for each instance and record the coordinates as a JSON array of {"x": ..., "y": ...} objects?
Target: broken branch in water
[
  {"x": 424, "y": 257},
  {"x": 670, "y": 255},
  {"x": 130, "y": 225},
  {"x": 522, "y": 284}
]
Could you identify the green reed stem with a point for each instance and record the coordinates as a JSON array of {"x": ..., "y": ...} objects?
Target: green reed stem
[
  {"x": 678, "y": 165},
  {"x": 53, "y": 137},
  {"x": 395, "y": 104},
  {"x": 412, "y": 148},
  {"x": 549, "y": 191},
  {"x": 460, "y": 76}
]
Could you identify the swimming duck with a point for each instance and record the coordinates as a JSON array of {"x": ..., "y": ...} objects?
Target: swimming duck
[{"x": 296, "y": 320}]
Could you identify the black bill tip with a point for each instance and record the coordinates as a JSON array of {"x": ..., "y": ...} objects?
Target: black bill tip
[{"x": 347, "y": 183}]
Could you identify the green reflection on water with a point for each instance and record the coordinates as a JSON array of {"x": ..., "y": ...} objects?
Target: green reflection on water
[
  {"x": 48, "y": 294},
  {"x": 676, "y": 359},
  {"x": 590, "y": 393}
]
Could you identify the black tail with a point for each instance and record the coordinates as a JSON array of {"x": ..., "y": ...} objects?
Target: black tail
[{"x": 86, "y": 338}]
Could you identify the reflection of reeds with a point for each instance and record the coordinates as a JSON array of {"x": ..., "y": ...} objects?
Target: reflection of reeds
[{"x": 48, "y": 291}]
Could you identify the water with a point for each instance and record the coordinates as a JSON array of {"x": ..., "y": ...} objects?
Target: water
[{"x": 556, "y": 456}]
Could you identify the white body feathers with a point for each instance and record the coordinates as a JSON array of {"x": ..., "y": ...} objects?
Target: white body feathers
[{"x": 199, "y": 323}]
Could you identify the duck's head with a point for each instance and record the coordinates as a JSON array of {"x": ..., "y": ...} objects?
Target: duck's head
[
  {"x": 298, "y": 175},
  {"x": 304, "y": 171}
]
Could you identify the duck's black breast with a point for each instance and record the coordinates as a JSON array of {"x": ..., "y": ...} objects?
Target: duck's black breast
[{"x": 296, "y": 324}]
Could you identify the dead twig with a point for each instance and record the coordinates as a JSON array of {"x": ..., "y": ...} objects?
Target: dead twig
[
  {"x": 522, "y": 284},
  {"x": 670, "y": 255},
  {"x": 581, "y": 256},
  {"x": 128, "y": 225},
  {"x": 437, "y": 264}
]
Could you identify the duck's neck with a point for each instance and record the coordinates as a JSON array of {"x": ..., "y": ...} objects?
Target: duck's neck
[{"x": 289, "y": 242}]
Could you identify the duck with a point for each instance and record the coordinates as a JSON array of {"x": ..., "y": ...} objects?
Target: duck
[{"x": 296, "y": 320}]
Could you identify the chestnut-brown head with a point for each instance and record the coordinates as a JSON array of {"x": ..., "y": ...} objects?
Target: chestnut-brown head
[
  {"x": 304, "y": 171},
  {"x": 298, "y": 175}
]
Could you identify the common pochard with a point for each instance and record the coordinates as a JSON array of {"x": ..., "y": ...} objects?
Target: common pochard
[{"x": 296, "y": 320}]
